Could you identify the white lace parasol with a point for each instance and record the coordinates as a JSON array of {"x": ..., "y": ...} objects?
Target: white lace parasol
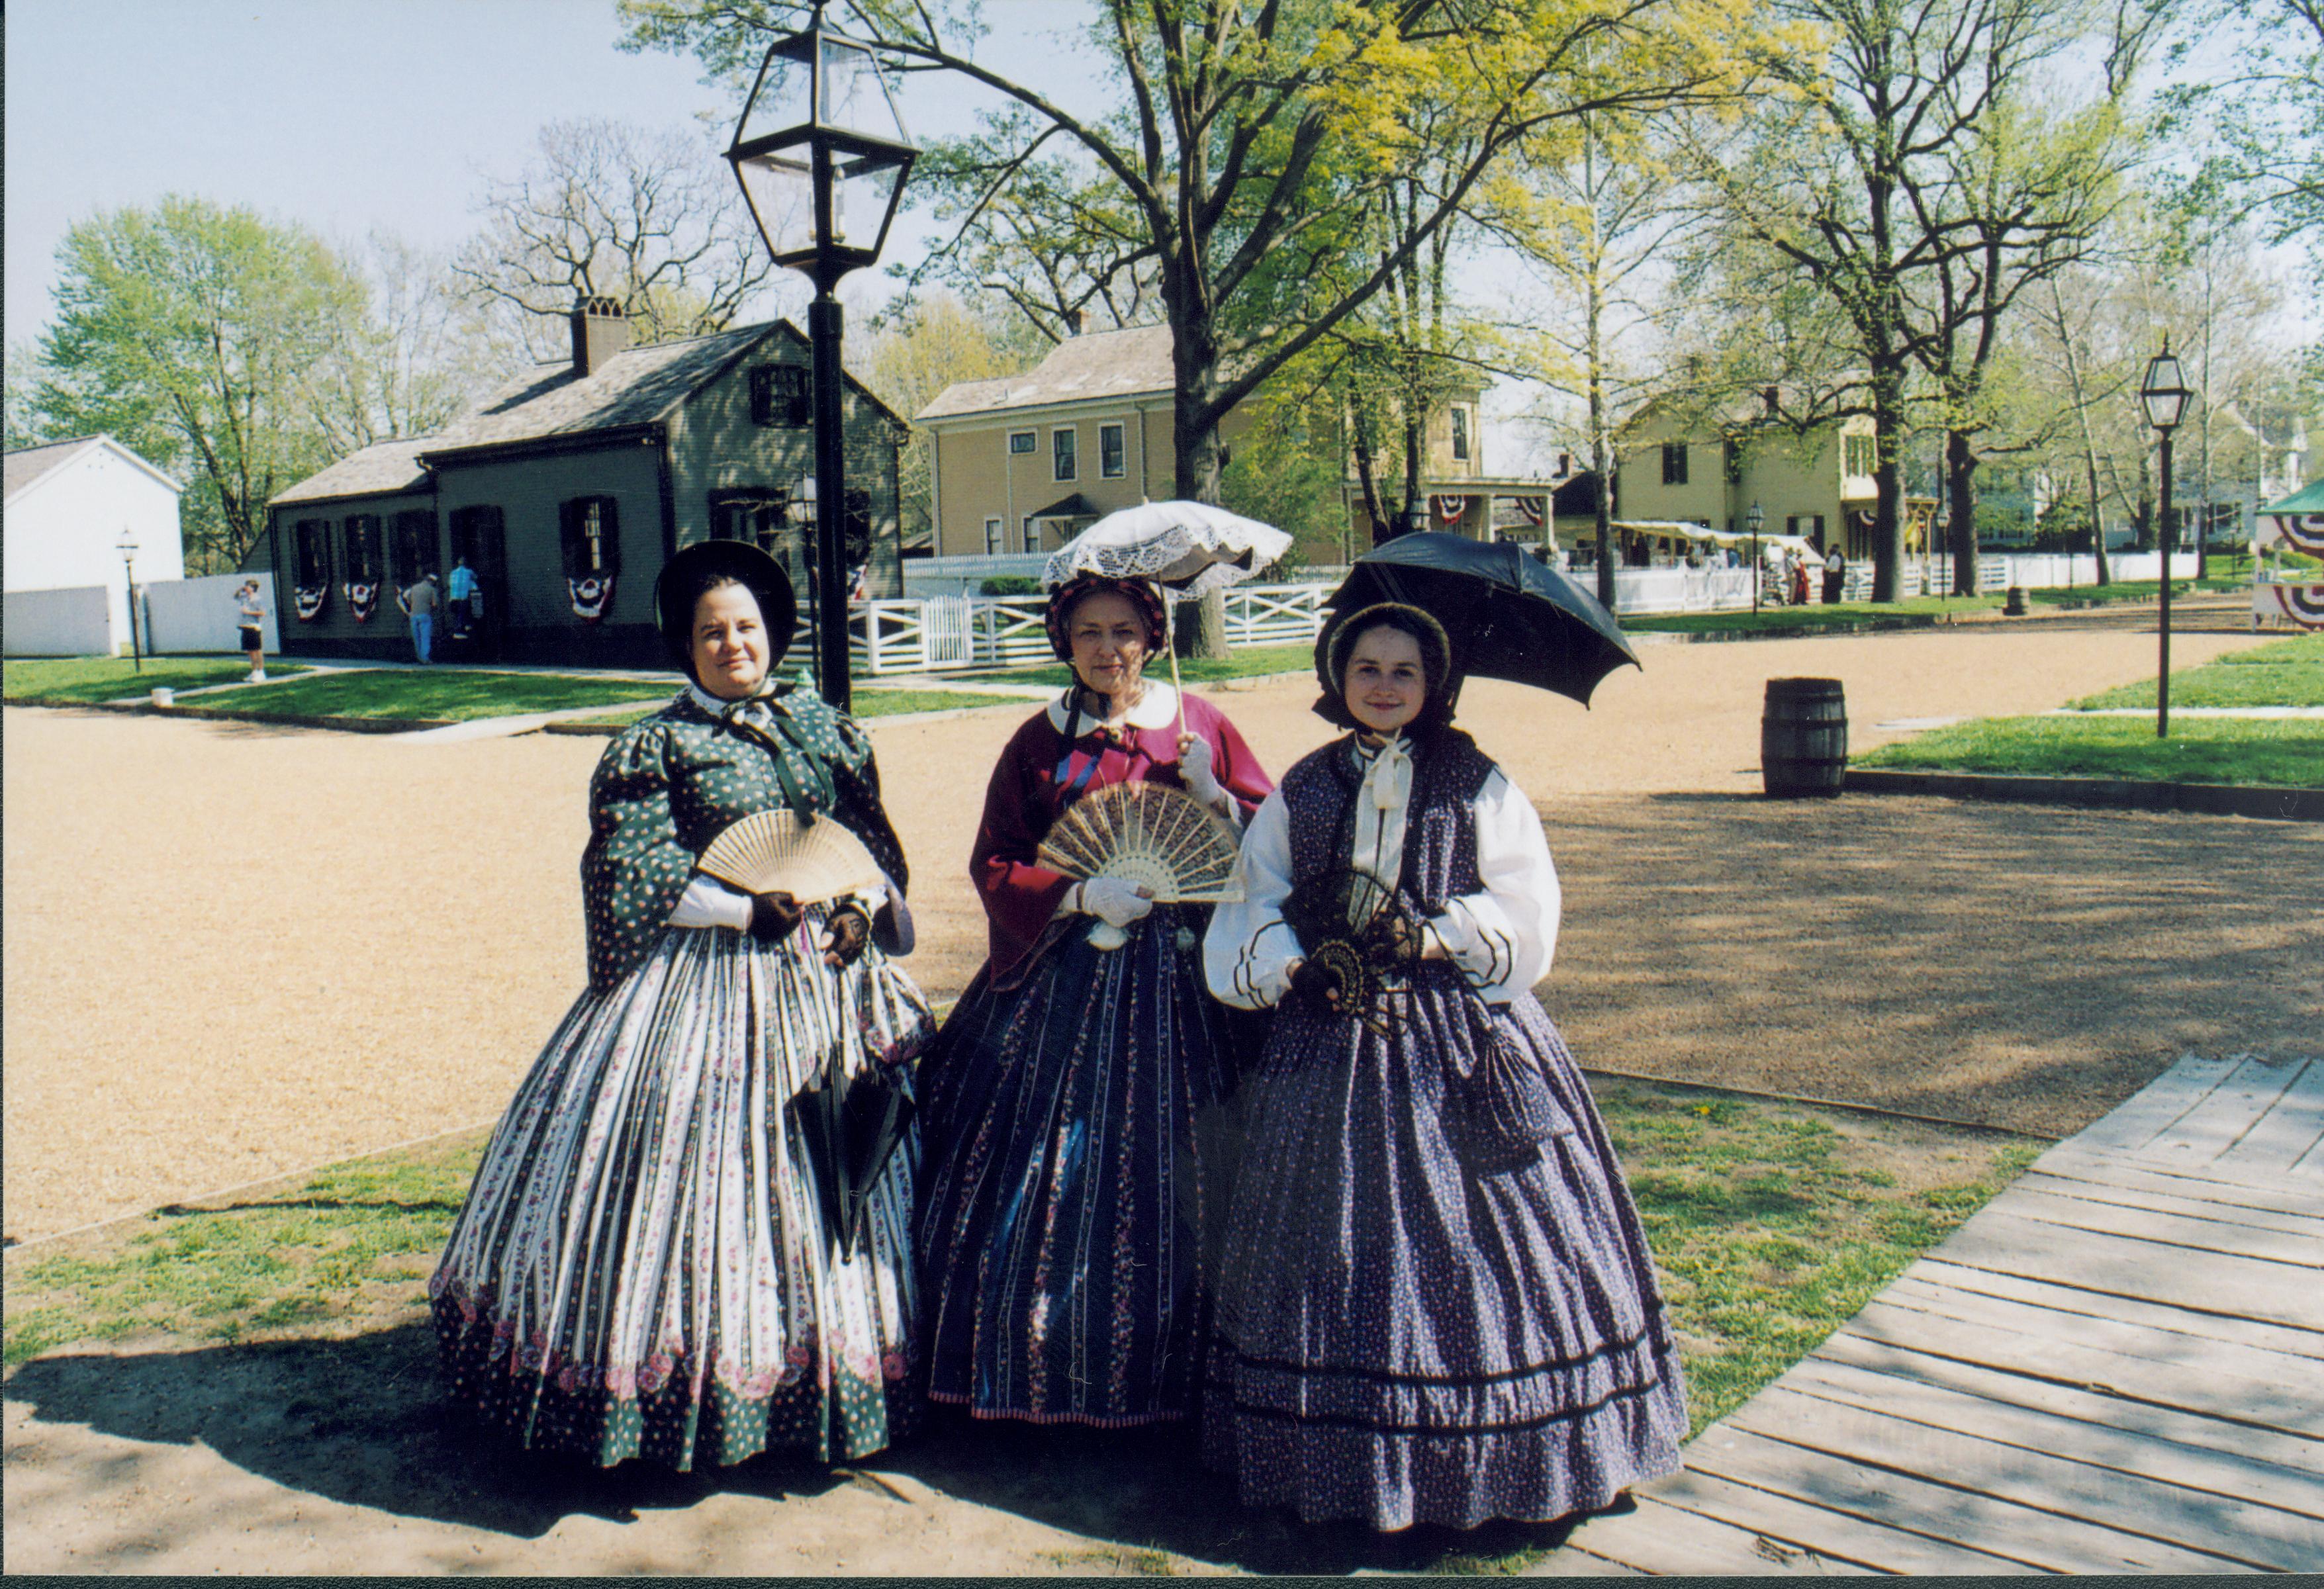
[{"x": 1191, "y": 549}]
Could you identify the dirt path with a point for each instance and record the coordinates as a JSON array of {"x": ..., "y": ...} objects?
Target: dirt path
[{"x": 234, "y": 951}]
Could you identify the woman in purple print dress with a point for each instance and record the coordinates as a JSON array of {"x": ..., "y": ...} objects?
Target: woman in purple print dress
[{"x": 1436, "y": 1303}]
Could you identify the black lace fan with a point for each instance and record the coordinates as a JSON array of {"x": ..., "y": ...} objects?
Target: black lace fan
[{"x": 1352, "y": 923}]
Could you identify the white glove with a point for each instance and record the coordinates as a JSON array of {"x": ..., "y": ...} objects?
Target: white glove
[
  {"x": 709, "y": 902},
  {"x": 1196, "y": 766},
  {"x": 1116, "y": 900}
]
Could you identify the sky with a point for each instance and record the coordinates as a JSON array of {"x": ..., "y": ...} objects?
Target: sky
[{"x": 344, "y": 115}]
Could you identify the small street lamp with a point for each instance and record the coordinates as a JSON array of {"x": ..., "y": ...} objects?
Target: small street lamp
[
  {"x": 2164, "y": 394},
  {"x": 822, "y": 154},
  {"x": 1756, "y": 517},
  {"x": 127, "y": 546}
]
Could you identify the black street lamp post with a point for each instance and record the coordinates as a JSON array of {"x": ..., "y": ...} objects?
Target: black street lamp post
[
  {"x": 127, "y": 546},
  {"x": 822, "y": 155},
  {"x": 2164, "y": 394},
  {"x": 1756, "y": 517}
]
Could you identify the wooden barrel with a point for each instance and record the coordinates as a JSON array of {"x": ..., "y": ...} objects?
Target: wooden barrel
[{"x": 1804, "y": 737}]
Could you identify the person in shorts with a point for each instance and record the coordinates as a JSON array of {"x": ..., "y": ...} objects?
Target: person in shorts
[{"x": 253, "y": 621}]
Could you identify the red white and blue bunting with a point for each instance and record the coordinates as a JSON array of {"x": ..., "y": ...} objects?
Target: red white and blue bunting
[
  {"x": 309, "y": 600},
  {"x": 1448, "y": 507},
  {"x": 1533, "y": 509},
  {"x": 361, "y": 600},
  {"x": 2302, "y": 532},
  {"x": 2303, "y": 604},
  {"x": 591, "y": 596}
]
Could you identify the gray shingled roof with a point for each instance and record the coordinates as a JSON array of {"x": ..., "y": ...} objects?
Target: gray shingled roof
[
  {"x": 377, "y": 470},
  {"x": 1099, "y": 364},
  {"x": 27, "y": 464},
  {"x": 636, "y": 386}
]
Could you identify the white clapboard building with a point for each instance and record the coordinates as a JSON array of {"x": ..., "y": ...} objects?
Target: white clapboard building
[{"x": 66, "y": 505}]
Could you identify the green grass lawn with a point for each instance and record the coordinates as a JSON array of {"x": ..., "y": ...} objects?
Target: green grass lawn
[
  {"x": 455, "y": 694},
  {"x": 2289, "y": 673},
  {"x": 2199, "y": 750},
  {"x": 1772, "y": 1222},
  {"x": 84, "y": 679}
]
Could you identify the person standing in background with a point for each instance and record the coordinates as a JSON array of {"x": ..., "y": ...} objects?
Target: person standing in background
[
  {"x": 252, "y": 618},
  {"x": 460, "y": 589},
  {"x": 1835, "y": 574},
  {"x": 420, "y": 600}
]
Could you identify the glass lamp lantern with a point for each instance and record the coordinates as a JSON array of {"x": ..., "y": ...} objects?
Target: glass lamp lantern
[
  {"x": 2165, "y": 391},
  {"x": 822, "y": 152}
]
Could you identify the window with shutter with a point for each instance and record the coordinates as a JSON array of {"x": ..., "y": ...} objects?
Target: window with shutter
[
  {"x": 779, "y": 396},
  {"x": 361, "y": 533},
  {"x": 592, "y": 537},
  {"x": 313, "y": 551},
  {"x": 1674, "y": 462},
  {"x": 412, "y": 547}
]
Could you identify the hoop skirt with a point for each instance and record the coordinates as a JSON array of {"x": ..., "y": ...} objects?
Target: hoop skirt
[
  {"x": 643, "y": 1267},
  {"x": 1435, "y": 1302},
  {"x": 1067, "y": 1191}
]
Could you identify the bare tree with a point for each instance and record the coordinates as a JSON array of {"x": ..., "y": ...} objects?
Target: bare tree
[
  {"x": 651, "y": 219},
  {"x": 417, "y": 359}
]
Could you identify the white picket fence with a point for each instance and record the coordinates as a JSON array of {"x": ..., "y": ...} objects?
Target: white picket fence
[
  {"x": 956, "y": 633},
  {"x": 944, "y": 633}
]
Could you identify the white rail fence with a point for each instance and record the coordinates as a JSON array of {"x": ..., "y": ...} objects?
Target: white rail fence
[{"x": 948, "y": 633}]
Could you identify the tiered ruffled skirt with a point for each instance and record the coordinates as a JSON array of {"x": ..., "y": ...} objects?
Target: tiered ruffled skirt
[{"x": 643, "y": 1267}]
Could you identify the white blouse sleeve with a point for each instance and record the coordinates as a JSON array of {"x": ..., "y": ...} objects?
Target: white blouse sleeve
[
  {"x": 1504, "y": 938},
  {"x": 709, "y": 902},
  {"x": 1248, "y": 949}
]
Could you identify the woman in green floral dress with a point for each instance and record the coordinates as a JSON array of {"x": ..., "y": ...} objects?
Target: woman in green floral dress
[{"x": 644, "y": 1266}]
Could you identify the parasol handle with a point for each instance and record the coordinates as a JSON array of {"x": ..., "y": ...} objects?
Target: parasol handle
[{"x": 1170, "y": 644}]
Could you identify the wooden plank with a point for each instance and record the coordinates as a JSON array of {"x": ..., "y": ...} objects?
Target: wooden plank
[
  {"x": 1835, "y": 1534},
  {"x": 2176, "y": 1349},
  {"x": 2155, "y": 1224},
  {"x": 2269, "y": 1451},
  {"x": 2227, "y": 1114},
  {"x": 2068, "y": 1362},
  {"x": 2291, "y": 1128},
  {"x": 1565, "y": 1562},
  {"x": 2167, "y": 1196},
  {"x": 2267, "y": 1192},
  {"x": 2291, "y": 1494},
  {"x": 2044, "y": 1540},
  {"x": 2154, "y": 1108},
  {"x": 1658, "y": 1538},
  {"x": 2206, "y": 1283},
  {"x": 2192, "y": 1522},
  {"x": 2077, "y": 1303}
]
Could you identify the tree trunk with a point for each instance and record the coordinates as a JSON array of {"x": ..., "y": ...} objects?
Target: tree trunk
[
  {"x": 1415, "y": 496},
  {"x": 1201, "y": 626},
  {"x": 1960, "y": 497},
  {"x": 1359, "y": 444},
  {"x": 1888, "y": 474}
]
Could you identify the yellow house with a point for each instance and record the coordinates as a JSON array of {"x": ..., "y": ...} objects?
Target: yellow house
[
  {"x": 1709, "y": 471},
  {"x": 1025, "y": 463}
]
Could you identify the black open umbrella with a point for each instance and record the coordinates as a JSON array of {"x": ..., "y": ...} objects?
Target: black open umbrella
[
  {"x": 1509, "y": 616},
  {"x": 851, "y": 1125}
]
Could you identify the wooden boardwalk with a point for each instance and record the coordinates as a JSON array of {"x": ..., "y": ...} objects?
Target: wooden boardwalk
[{"x": 2116, "y": 1366}]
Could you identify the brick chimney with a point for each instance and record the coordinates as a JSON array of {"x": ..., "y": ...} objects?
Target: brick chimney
[{"x": 600, "y": 330}]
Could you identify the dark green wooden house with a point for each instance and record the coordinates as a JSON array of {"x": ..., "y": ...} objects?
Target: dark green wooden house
[{"x": 567, "y": 490}]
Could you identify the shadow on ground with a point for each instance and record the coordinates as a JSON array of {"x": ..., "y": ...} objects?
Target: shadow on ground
[
  {"x": 364, "y": 1422},
  {"x": 2010, "y": 965}
]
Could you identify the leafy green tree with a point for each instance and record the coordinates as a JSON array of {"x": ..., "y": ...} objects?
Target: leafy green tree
[
  {"x": 1248, "y": 138},
  {"x": 2261, "y": 120},
  {"x": 190, "y": 331},
  {"x": 920, "y": 348}
]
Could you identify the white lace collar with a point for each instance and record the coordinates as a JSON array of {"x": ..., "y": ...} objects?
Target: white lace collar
[
  {"x": 718, "y": 707},
  {"x": 1157, "y": 709}
]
